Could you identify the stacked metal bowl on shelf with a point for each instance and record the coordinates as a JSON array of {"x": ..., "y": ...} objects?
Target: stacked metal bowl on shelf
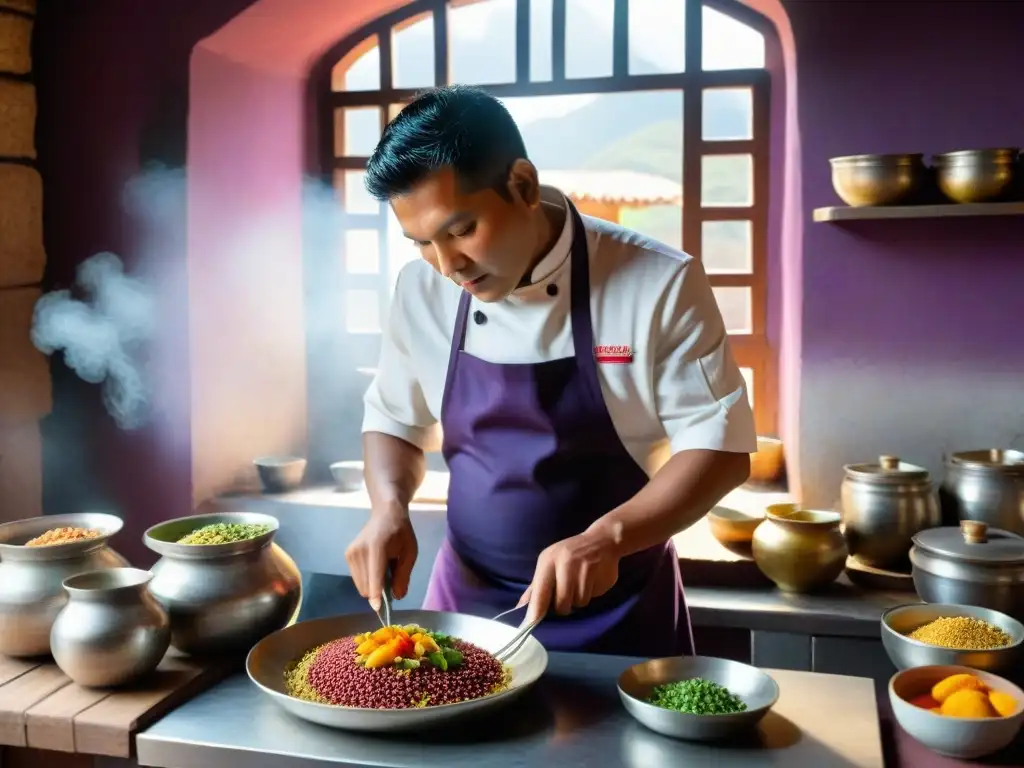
[{"x": 964, "y": 176}]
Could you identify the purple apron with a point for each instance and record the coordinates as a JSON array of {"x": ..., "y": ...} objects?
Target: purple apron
[{"x": 534, "y": 458}]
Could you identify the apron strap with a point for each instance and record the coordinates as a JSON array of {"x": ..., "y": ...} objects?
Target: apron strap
[{"x": 579, "y": 297}]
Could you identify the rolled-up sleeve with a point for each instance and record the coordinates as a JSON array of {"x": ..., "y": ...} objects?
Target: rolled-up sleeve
[
  {"x": 700, "y": 393},
  {"x": 394, "y": 404}
]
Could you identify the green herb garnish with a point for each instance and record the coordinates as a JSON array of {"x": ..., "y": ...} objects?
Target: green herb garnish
[
  {"x": 438, "y": 660},
  {"x": 697, "y": 697}
]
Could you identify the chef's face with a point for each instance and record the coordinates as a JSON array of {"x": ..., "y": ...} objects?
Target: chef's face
[{"x": 480, "y": 240}]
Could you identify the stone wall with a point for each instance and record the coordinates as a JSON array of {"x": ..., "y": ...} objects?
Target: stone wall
[{"x": 25, "y": 394}]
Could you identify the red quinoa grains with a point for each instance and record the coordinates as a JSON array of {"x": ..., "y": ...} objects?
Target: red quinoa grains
[{"x": 330, "y": 674}]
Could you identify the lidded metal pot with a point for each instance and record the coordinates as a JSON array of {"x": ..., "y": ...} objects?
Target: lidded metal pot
[
  {"x": 883, "y": 506},
  {"x": 223, "y": 598},
  {"x": 32, "y": 578},
  {"x": 970, "y": 565},
  {"x": 987, "y": 486}
]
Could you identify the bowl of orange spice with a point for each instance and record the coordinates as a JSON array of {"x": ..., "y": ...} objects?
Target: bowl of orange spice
[
  {"x": 36, "y": 555},
  {"x": 957, "y": 711}
]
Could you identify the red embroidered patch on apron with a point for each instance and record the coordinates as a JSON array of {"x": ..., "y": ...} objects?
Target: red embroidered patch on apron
[{"x": 614, "y": 354}]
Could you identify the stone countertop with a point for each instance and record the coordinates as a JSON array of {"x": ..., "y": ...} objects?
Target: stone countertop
[{"x": 572, "y": 717}]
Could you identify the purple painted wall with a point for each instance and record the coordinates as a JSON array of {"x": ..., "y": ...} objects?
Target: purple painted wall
[
  {"x": 912, "y": 336},
  {"x": 112, "y": 89}
]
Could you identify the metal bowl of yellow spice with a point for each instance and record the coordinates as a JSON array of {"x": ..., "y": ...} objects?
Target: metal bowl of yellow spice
[{"x": 927, "y": 634}]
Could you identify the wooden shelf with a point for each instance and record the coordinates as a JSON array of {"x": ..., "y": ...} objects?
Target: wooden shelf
[{"x": 846, "y": 213}]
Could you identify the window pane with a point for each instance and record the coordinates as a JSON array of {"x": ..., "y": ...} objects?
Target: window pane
[
  {"x": 748, "y": 378},
  {"x": 657, "y": 36},
  {"x": 727, "y": 247},
  {"x": 401, "y": 249},
  {"x": 393, "y": 110},
  {"x": 735, "y": 306},
  {"x": 359, "y": 69},
  {"x": 541, "y": 12},
  {"x": 362, "y": 251},
  {"x": 362, "y": 311},
  {"x": 727, "y": 180},
  {"x": 412, "y": 52},
  {"x": 729, "y": 44},
  {"x": 482, "y": 42},
  {"x": 728, "y": 114},
  {"x": 618, "y": 155},
  {"x": 588, "y": 38},
  {"x": 356, "y": 131},
  {"x": 351, "y": 188}
]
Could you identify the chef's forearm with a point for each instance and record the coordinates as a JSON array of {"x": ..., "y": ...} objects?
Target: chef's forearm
[
  {"x": 393, "y": 469},
  {"x": 678, "y": 495}
]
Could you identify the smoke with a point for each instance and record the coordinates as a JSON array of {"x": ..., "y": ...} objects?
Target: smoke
[
  {"x": 102, "y": 336},
  {"x": 123, "y": 328}
]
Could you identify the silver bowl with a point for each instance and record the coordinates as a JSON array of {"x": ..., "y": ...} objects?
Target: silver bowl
[
  {"x": 271, "y": 657},
  {"x": 755, "y": 688},
  {"x": 348, "y": 475},
  {"x": 222, "y": 598},
  {"x": 112, "y": 631},
  {"x": 959, "y": 737},
  {"x": 280, "y": 473},
  {"x": 31, "y": 578},
  {"x": 905, "y": 653}
]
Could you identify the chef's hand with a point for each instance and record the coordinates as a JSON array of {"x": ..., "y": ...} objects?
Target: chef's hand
[
  {"x": 571, "y": 573},
  {"x": 386, "y": 538}
]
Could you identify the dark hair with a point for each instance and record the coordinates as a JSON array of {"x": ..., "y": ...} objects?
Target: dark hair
[{"x": 457, "y": 126}]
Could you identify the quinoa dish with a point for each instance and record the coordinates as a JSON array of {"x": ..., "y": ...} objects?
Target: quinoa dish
[{"x": 395, "y": 668}]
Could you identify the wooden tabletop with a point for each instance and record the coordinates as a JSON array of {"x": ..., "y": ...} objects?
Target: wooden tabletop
[{"x": 41, "y": 708}]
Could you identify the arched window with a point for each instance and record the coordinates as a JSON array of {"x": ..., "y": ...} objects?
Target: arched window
[{"x": 652, "y": 113}]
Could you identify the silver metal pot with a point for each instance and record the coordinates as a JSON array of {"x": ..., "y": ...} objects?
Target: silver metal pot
[
  {"x": 223, "y": 598},
  {"x": 883, "y": 506},
  {"x": 32, "y": 578},
  {"x": 987, "y": 486},
  {"x": 970, "y": 565},
  {"x": 112, "y": 631}
]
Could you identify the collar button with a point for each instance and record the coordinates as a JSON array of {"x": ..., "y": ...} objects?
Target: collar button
[{"x": 552, "y": 289}]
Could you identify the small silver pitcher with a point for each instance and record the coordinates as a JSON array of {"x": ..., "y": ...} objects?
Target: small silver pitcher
[{"x": 112, "y": 630}]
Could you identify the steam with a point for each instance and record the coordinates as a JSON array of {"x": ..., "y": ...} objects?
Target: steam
[
  {"x": 120, "y": 327},
  {"x": 102, "y": 337}
]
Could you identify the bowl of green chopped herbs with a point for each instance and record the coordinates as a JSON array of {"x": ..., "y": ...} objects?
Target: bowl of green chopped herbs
[{"x": 698, "y": 698}]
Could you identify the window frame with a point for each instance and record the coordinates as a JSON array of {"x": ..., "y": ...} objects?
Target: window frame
[{"x": 336, "y": 436}]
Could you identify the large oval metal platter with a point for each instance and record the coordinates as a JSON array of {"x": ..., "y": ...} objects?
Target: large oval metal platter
[{"x": 271, "y": 657}]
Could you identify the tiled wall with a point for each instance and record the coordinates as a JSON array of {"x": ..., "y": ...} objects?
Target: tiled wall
[{"x": 24, "y": 372}]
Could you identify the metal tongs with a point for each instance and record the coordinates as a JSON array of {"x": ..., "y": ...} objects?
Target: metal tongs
[
  {"x": 387, "y": 597},
  {"x": 510, "y": 648}
]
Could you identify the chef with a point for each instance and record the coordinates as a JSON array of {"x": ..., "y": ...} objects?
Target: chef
[{"x": 576, "y": 377}]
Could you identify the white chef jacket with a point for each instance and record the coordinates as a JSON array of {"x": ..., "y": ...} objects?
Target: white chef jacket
[{"x": 682, "y": 390}]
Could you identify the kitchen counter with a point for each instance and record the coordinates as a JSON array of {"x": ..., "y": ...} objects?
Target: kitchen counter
[{"x": 572, "y": 717}]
